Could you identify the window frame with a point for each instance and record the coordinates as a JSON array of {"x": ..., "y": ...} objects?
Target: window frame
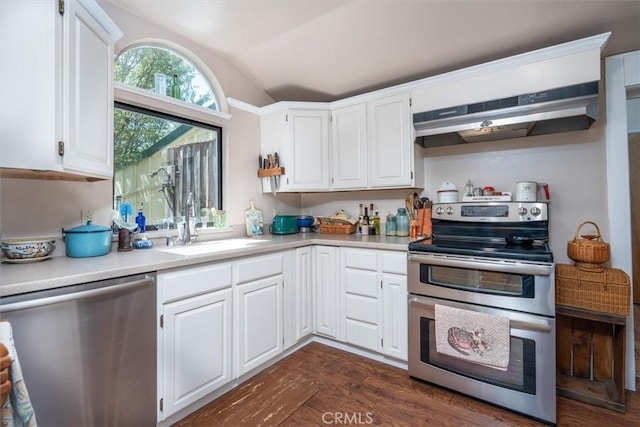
[{"x": 174, "y": 109}]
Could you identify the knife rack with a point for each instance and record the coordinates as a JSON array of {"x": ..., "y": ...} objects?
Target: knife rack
[{"x": 265, "y": 173}]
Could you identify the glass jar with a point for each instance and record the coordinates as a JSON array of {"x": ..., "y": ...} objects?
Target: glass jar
[
  {"x": 390, "y": 225},
  {"x": 402, "y": 223}
]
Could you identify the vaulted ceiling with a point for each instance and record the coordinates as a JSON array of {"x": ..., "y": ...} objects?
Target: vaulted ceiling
[{"x": 323, "y": 50}]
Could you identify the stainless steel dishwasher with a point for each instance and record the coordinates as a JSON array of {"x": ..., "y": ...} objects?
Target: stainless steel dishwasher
[{"x": 88, "y": 352}]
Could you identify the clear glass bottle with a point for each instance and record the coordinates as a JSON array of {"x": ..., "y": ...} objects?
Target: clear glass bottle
[
  {"x": 402, "y": 223},
  {"x": 390, "y": 225}
]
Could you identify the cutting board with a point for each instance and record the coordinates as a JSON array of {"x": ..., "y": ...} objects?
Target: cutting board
[{"x": 253, "y": 220}]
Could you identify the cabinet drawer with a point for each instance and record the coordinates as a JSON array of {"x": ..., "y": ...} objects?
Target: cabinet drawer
[
  {"x": 362, "y": 259},
  {"x": 361, "y": 282},
  {"x": 193, "y": 281},
  {"x": 259, "y": 267},
  {"x": 362, "y": 334},
  {"x": 361, "y": 308},
  {"x": 394, "y": 262}
]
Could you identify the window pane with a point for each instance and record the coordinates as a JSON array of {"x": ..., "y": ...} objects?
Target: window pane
[
  {"x": 153, "y": 68},
  {"x": 160, "y": 159}
]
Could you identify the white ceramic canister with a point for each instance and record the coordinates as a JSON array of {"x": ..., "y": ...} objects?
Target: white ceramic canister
[{"x": 526, "y": 191}]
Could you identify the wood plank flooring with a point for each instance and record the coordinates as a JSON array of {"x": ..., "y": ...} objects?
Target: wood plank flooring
[{"x": 319, "y": 385}]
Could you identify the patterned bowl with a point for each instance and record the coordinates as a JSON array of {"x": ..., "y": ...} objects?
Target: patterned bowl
[{"x": 27, "y": 248}]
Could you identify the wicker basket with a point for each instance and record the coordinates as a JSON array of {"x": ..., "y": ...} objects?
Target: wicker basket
[
  {"x": 590, "y": 249},
  {"x": 606, "y": 290},
  {"x": 335, "y": 226}
]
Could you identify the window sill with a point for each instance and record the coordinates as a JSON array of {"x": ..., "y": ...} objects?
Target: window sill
[{"x": 149, "y": 100}]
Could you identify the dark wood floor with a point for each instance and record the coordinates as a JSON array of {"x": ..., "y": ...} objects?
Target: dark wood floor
[{"x": 320, "y": 385}]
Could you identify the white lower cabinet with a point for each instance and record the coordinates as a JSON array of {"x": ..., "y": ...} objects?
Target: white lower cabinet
[
  {"x": 327, "y": 295},
  {"x": 302, "y": 293},
  {"x": 373, "y": 287},
  {"x": 222, "y": 320},
  {"x": 258, "y": 311},
  {"x": 195, "y": 338}
]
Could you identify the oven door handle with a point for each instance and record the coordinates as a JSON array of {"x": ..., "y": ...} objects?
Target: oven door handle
[
  {"x": 513, "y": 267},
  {"x": 429, "y": 310}
]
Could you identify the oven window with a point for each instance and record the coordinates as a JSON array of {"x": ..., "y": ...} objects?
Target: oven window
[
  {"x": 520, "y": 375},
  {"x": 491, "y": 282}
]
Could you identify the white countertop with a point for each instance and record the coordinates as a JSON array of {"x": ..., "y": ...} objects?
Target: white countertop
[{"x": 64, "y": 271}]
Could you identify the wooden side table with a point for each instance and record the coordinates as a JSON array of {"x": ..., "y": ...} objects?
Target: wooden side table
[{"x": 590, "y": 357}]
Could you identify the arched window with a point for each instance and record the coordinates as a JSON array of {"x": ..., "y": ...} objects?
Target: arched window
[
  {"x": 161, "y": 156},
  {"x": 165, "y": 72}
]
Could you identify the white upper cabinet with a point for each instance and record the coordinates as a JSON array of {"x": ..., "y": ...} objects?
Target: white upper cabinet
[
  {"x": 371, "y": 145},
  {"x": 349, "y": 148},
  {"x": 301, "y": 139},
  {"x": 57, "y": 101},
  {"x": 390, "y": 142}
]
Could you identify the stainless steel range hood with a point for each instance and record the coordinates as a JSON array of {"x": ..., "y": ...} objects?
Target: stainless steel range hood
[{"x": 557, "y": 110}]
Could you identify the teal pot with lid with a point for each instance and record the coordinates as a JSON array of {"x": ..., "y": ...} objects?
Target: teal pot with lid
[{"x": 87, "y": 240}]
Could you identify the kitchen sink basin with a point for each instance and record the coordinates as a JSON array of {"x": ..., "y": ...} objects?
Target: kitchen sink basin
[{"x": 202, "y": 248}]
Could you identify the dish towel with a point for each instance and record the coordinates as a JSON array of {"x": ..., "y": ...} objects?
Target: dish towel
[
  {"x": 16, "y": 410},
  {"x": 475, "y": 337}
]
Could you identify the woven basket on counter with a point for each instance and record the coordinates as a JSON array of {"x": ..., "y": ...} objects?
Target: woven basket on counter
[
  {"x": 606, "y": 290},
  {"x": 335, "y": 226},
  {"x": 589, "y": 250}
]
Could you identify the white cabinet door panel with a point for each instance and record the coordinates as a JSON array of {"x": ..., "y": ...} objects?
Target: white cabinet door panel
[
  {"x": 90, "y": 95},
  {"x": 196, "y": 347},
  {"x": 394, "y": 290},
  {"x": 309, "y": 147},
  {"x": 304, "y": 293},
  {"x": 327, "y": 286},
  {"x": 258, "y": 322},
  {"x": 349, "y": 148},
  {"x": 390, "y": 141}
]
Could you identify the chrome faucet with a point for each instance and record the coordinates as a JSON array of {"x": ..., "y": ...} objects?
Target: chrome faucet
[{"x": 185, "y": 235}]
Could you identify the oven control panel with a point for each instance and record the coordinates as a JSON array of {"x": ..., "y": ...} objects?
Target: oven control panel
[{"x": 491, "y": 211}]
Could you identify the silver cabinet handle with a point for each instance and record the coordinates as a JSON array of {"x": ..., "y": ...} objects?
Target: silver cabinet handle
[{"x": 73, "y": 296}]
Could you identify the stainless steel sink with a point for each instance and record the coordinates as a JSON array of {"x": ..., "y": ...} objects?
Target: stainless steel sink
[{"x": 202, "y": 248}]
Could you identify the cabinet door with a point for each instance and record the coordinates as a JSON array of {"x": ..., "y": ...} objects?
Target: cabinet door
[
  {"x": 327, "y": 286},
  {"x": 303, "y": 293},
  {"x": 88, "y": 77},
  {"x": 196, "y": 348},
  {"x": 349, "y": 148},
  {"x": 394, "y": 296},
  {"x": 258, "y": 322},
  {"x": 390, "y": 143},
  {"x": 306, "y": 160},
  {"x": 30, "y": 65}
]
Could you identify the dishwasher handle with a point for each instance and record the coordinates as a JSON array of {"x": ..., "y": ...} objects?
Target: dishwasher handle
[{"x": 74, "y": 296}]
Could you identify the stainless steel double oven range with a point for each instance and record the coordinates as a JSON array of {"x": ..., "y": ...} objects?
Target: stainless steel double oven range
[{"x": 493, "y": 258}]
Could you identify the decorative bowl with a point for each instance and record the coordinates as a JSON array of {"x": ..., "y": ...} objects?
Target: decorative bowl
[{"x": 27, "y": 248}]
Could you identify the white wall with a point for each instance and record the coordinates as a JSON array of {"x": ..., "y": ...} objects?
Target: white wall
[{"x": 573, "y": 164}]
